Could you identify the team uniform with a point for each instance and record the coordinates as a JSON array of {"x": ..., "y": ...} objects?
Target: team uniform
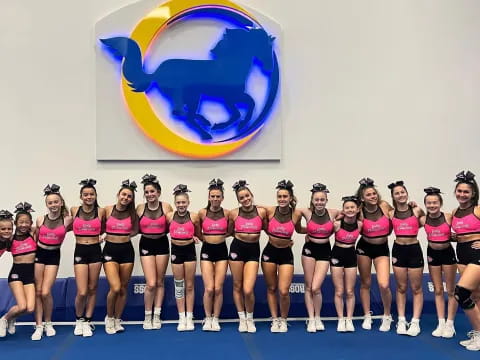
[
  {"x": 345, "y": 256},
  {"x": 182, "y": 229},
  {"x": 439, "y": 232},
  {"x": 282, "y": 227},
  {"x": 51, "y": 234},
  {"x": 406, "y": 224},
  {"x": 321, "y": 228},
  {"x": 214, "y": 223},
  {"x": 153, "y": 223},
  {"x": 375, "y": 225},
  {"x": 22, "y": 245},
  {"x": 246, "y": 224},
  {"x": 465, "y": 222},
  {"x": 119, "y": 223},
  {"x": 87, "y": 225}
]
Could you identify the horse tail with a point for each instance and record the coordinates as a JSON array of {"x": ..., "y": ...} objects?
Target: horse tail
[{"x": 132, "y": 67}]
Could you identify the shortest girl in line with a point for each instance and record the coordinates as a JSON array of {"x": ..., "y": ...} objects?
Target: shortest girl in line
[
  {"x": 21, "y": 278},
  {"x": 343, "y": 262}
]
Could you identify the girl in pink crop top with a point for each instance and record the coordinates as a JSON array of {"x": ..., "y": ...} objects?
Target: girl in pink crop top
[
  {"x": 181, "y": 227},
  {"x": 347, "y": 234},
  {"x": 278, "y": 229},
  {"x": 52, "y": 231},
  {"x": 87, "y": 228},
  {"x": 153, "y": 222},
  {"x": 405, "y": 223},
  {"x": 248, "y": 225},
  {"x": 119, "y": 226},
  {"x": 437, "y": 229},
  {"x": 320, "y": 227}
]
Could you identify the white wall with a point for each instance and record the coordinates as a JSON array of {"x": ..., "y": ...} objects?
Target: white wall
[{"x": 385, "y": 89}]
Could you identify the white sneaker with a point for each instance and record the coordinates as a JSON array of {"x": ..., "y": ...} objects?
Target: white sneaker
[
  {"x": 251, "y": 326},
  {"x": 3, "y": 327},
  {"x": 147, "y": 323},
  {"x": 311, "y": 326},
  {"x": 475, "y": 343},
  {"x": 156, "y": 322},
  {"x": 319, "y": 324},
  {"x": 439, "y": 330},
  {"x": 283, "y": 325},
  {"x": 367, "y": 322},
  {"x": 349, "y": 325},
  {"x": 469, "y": 340},
  {"x": 182, "y": 324},
  {"x": 118, "y": 326},
  {"x": 414, "y": 329},
  {"x": 189, "y": 325},
  {"x": 38, "y": 333},
  {"x": 49, "y": 330},
  {"x": 341, "y": 325},
  {"x": 402, "y": 327},
  {"x": 78, "y": 331},
  {"x": 386, "y": 323},
  {"x": 110, "y": 326},
  {"x": 11, "y": 327},
  {"x": 448, "y": 331},
  {"x": 275, "y": 327},
  {"x": 242, "y": 325},
  {"x": 207, "y": 324},
  {"x": 215, "y": 324},
  {"x": 88, "y": 329}
]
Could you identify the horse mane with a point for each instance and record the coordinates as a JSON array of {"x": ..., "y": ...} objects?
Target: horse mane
[{"x": 231, "y": 39}]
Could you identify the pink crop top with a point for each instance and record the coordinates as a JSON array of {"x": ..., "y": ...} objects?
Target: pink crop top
[
  {"x": 437, "y": 230},
  {"x": 153, "y": 222},
  {"x": 378, "y": 228},
  {"x": 181, "y": 231},
  {"x": 52, "y": 236},
  {"x": 248, "y": 226},
  {"x": 465, "y": 222},
  {"x": 119, "y": 227},
  {"x": 405, "y": 223},
  {"x": 87, "y": 228},
  {"x": 282, "y": 230},
  {"x": 214, "y": 227},
  {"x": 23, "y": 247},
  {"x": 348, "y": 233},
  {"x": 320, "y": 227}
]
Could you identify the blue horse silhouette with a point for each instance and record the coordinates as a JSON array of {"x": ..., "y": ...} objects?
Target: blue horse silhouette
[{"x": 185, "y": 82}]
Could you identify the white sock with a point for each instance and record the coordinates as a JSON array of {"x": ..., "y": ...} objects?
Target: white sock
[
  {"x": 402, "y": 318},
  {"x": 241, "y": 315},
  {"x": 415, "y": 320},
  {"x": 181, "y": 315},
  {"x": 441, "y": 321},
  {"x": 189, "y": 315},
  {"x": 157, "y": 311},
  {"x": 249, "y": 315},
  {"x": 449, "y": 322}
]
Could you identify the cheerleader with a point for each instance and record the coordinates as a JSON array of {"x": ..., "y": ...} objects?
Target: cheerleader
[
  {"x": 343, "y": 262},
  {"x": 407, "y": 257},
  {"x": 214, "y": 254},
  {"x": 118, "y": 253},
  {"x": 466, "y": 226},
  {"x": 88, "y": 224},
  {"x": 245, "y": 223},
  {"x": 21, "y": 278},
  {"x": 441, "y": 260},
  {"x": 51, "y": 231},
  {"x": 184, "y": 233},
  {"x": 154, "y": 249},
  {"x": 316, "y": 252}
]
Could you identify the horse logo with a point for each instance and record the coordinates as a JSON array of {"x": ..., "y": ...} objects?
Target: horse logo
[{"x": 186, "y": 84}]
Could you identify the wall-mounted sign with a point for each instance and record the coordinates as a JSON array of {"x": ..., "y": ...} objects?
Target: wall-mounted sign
[{"x": 199, "y": 78}]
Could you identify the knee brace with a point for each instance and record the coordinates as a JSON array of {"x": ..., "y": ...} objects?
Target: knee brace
[
  {"x": 179, "y": 289},
  {"x": 463, "y": 297}
]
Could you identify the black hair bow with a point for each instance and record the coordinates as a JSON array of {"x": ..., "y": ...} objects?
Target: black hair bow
[
  {"x": 51, "y": 189},
  {"x": 180, "y": 189},
  {"x": 239, "y": 184},
  {"x": 285, "y": 184},
  {"x": 6, "y": 215},
  {"x": 350, "y": 198},
  {"x": 319, "y": 187},
  {"x": 365, "y": 182},
  {"x": 215, "y": 184},
  {"x": 23, "y": 207},
  {"x": 432, "y": 190},
  {"x": 149, "y": 179},
  {"x": 396, "y": 183},
  {"x": 88, "y": 182},
  {"x": 463, "y": 177},
  {"x": 129, "y": 185}
]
